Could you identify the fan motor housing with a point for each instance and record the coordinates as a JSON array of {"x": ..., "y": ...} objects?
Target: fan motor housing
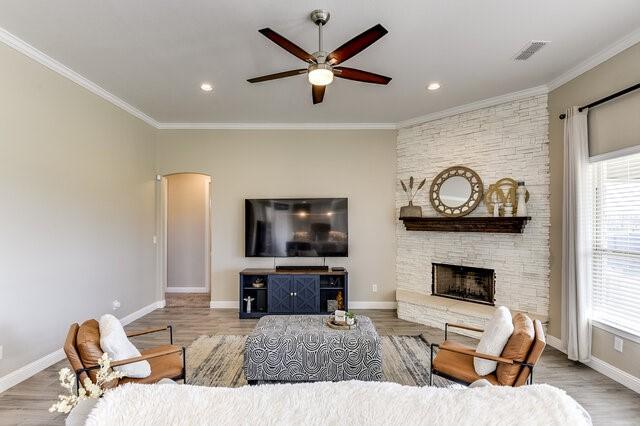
[
  {"x": 320, "y": 16},
  {"x": 321, "y": 57}
]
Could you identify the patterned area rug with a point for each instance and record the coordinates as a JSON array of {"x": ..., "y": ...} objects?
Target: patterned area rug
[{"x": 217, "y": 361}]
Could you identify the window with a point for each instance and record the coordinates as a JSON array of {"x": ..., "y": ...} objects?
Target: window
[{"x": 616, "y": 242}]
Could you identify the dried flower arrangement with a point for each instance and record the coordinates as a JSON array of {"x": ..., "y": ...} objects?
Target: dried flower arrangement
[
  {"x": 410, "y": 210},
  {"x": 410, "y": 191},
  {"x": 88, "y": 389}
]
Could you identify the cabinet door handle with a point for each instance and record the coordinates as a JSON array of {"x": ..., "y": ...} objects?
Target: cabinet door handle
[
  {"x": 291, "y": 294},
  {"x": 295, "y": 294}
]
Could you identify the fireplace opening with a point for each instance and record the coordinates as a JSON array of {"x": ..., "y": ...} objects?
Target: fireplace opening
[{"x": 463, "y": 283}]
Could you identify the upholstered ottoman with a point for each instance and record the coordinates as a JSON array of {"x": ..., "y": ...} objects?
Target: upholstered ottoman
[{"x": 303, "y": 348}]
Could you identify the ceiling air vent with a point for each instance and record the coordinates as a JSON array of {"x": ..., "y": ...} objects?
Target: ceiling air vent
[{"x": 531, "y": 48}]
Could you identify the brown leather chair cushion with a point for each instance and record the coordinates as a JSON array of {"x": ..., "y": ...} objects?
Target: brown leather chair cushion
[
  {"x": 517, "y": 348},
  {"x": 88, "y": 344},
  {"x": 457, "y": 365},
  {"x": 534, "y": 354},
  {"x": 70, "y": 348},
  {"x": 166, "y": 366}
]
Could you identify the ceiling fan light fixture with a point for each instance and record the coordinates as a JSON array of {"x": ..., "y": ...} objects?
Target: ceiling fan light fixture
[{"x": 320, "y": 74}]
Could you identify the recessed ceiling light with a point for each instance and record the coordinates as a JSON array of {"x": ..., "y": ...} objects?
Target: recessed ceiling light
[
  {"x": 206, "y": 87},
  {"x": 433, "y": 86}
]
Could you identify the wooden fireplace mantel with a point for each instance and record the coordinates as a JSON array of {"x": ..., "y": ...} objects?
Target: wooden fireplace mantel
[{"x": 501, "y": 225}]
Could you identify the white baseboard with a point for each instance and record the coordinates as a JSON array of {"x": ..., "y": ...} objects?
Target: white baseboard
[
  {"x": 232, "y": 304},
  {"x": 142, "y": 312},
  {"x": 555, "y": 343},
  {"x": 372, "y": 305},
  {"x": 614, "y": 373},
  {"x": 602, "y": 367},
  {"x": 186, "y": 290},
  {"x": 23, "y": 373},
  {"x": 224, "y": 304}
]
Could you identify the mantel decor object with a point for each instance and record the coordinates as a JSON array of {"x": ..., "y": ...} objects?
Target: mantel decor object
[
  {"x": 456, "y": 191},
  {"x": 410, "y": 210},
  {"x": 503, "y": 193},
  {"x": 522, "y": 195}
]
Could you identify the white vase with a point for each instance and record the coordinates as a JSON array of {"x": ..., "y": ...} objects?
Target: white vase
[{"x": 522, "y": 199}]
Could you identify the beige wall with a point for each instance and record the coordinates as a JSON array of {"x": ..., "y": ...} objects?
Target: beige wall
[
  {"x": 617, "y": 73},
  {"x": 187, "y": 227},
  {"x": 77, "y": 212},
  {"x": 359, "y": 165}
]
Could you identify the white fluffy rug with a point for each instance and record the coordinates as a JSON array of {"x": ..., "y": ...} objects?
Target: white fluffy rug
[{"x": 323, "y": 403}]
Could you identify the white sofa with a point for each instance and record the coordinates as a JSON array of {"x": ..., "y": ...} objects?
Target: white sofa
[{"x": 326, "y": 403}]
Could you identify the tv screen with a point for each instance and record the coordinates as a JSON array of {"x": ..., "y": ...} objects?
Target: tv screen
[{"x": 305, "y": 227}]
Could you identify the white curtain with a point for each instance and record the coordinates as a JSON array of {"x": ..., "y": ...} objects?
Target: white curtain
[{"x": 576, "y": 237}]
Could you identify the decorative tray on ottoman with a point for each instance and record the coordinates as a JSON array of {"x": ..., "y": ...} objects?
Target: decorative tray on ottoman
[{"x": 331, "y": 322}]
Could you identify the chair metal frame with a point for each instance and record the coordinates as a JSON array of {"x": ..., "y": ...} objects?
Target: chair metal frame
[
  {"x": 474, "y": 354},
  {"x": 182, "y": 349}
]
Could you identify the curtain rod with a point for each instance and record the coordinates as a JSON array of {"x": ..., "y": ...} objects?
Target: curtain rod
[{"x": 606, "y": 99}]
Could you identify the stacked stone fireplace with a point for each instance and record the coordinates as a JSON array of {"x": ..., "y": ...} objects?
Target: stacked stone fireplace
[{"x": 505, "y": 140}]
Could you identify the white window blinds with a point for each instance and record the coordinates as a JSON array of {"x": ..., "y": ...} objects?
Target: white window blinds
[{"x": 616, "y": 242}]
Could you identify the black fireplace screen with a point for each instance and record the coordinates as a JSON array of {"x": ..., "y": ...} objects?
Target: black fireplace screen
[{"x": 463, "y": 283}]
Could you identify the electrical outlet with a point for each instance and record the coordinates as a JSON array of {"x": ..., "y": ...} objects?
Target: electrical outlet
[
  {"x": 155, "y": 240},
  {"x": 374, "y": 288},
  {"x": 617, "y": 343},
  {"x": 1, "y": 353},
  {"x": 116, "y": 305}
]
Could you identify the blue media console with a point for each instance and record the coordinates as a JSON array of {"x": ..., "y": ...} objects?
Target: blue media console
[{"x": 291, "y": 292}]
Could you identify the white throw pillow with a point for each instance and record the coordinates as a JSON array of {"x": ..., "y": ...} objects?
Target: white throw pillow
[
  {"x": 493, "y": 340},
  {"x": 114, "y": 341}
]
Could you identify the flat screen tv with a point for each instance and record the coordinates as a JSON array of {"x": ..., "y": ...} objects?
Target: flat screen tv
[{"x": 300, "y": 227}]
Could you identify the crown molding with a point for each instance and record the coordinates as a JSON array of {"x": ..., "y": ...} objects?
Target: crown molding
[
  {"x": 277, "y": 126},
  {"x": 25, "y": 48},
  {"x": 485, "y": 103},
  {"x": 595, "y": 60}
]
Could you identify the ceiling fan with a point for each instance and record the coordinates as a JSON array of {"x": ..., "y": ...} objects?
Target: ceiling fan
[{"x": 322, "y": 65}]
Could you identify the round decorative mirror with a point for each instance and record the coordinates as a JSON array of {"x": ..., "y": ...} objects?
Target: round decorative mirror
[{"x": 456, "y": 191}]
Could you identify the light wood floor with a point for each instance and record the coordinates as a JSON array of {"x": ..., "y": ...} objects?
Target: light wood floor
[
  {"x": 187, "y": 300},
  {"x": 607, "y": 401}
]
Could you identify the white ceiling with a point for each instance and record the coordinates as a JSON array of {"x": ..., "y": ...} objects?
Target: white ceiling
[{"x": 154, "y": 54}]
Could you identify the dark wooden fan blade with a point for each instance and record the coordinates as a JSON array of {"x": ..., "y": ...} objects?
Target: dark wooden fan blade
[
  {"x": 359, "y": 75},
  {"x": 356, "y": 45},
  {"x": 318, "y": 93},
  {"x": 277, "y": 75},
  {"x": 287, "y": 45}
]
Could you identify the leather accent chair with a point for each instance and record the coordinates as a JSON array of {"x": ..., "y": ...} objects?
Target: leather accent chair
[
  {"x": 454, "y": 361},
  {"x": 83, "y": 351}
]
